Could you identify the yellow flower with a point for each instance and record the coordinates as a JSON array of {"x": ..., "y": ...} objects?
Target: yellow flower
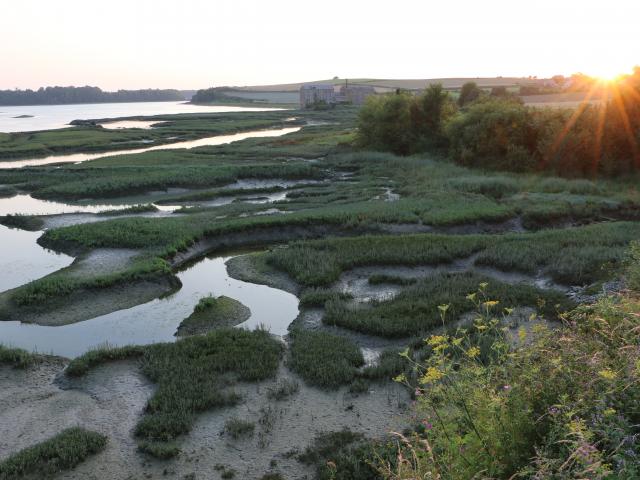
[
  {"x": 608, "y": 374},
  {"x": 609, "y": 412},
  {"x": 472, "y": 297},
  {"x": 443, "y": 308},
  {"x": 473, "y": 352},
  {"x": 483, "y": 285},
  {"x": 522, "y": 334},
  {"x": 491, "y": 303},
  {"x": 434, "y": 340},
  {"x": 431, "y": 375},
  {"x": 400, "y": 378}
]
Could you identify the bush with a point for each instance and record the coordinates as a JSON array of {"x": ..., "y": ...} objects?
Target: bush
[
  {"x": 62, "y": 452},
  {"x": 404, "y": 124},
  {"x": 494, "y": 133}
]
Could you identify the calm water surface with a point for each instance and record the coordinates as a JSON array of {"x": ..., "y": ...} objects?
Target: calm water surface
[
  {"x": 157, "y": 321},
  {"x": 208, "y": 141},
  {"x": 46, "y": 117}
]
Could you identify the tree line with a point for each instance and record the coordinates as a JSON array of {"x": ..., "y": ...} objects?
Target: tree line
[
  {"x": 68, "y": 95},
  {"x": 497, "y": 131}
]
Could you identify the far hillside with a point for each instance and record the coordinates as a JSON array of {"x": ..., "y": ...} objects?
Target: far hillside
[{"x": 409, "y": 84}]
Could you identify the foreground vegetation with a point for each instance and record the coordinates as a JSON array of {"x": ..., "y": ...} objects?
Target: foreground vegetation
[
  {"x": 560, "y": 404},
  {"x": 62, "y": 452}
]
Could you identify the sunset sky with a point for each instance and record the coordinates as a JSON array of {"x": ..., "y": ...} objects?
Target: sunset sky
[{"x": 196, "y": 43}]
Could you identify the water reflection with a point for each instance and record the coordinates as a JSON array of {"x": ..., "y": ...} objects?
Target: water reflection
[
  {"x": 157, "y": 321},
  {"x": 27, "y": 205},
  {"x": 144, "y": 124},
  {"x": 23, "y": 260}
]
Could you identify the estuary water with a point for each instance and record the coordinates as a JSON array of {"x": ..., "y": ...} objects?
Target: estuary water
[{"x": 47, "y": 117}]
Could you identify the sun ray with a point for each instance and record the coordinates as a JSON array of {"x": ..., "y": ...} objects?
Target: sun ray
[
  {"x": 572, "y": 120},
  {"x": 602, "y": 112},
  {"x": 627, "y": 125}
]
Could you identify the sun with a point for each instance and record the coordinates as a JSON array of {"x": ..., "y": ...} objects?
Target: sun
[{"x": 606, "y": 74}]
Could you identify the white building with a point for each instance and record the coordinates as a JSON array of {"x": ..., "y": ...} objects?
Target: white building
[
  {"x": 314, "y": 93},
  {"x": 356, "y": 94},
  {"x": 317, "y": 93}
]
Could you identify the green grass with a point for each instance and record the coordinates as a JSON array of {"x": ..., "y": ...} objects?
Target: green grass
[
  {"x": 62, "y": 452},
  {"x": 574, "y": 256},
  {"x": 143, "y": 208},
  {"x": 193, "y": 375},
  {"x": 16, "y": 357},
  {"x": 62, "y": 283},
  {"x": 323, "y": 359},
  {"x": 415, "y": 311}
]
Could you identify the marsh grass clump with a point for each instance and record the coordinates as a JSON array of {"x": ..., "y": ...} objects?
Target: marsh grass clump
[
  {"x": 415, "y": 309},
  {"x": 347, "y": 455},
  {"x": 62, "y": 283},
  {"x": 61, "y": 452},
  {"x": 237, "y": 428},
  {"x": 382, "y": 279},
  {"x": 193, "y": 375},
  {"x": 317, "y": 297},
  {"x": 283, "y": 389},
  {"x": 17, "y": 357},
  {"x": 161, "y": 450},
  {"x": 81, "y": 365},
  {"x": 323, "y": 359},
  {"x": 389, "y": 364},
  {"x": 358, "y": 386},
  {"x": 211, "y": 313},
  {"x": 141, "y": 208},
  {"x": 23, "y": 222}
]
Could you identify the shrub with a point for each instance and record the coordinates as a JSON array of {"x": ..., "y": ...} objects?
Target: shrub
[{"x": 283, "y": 389}]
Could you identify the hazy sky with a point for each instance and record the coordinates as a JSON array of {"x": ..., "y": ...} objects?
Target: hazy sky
[{"x": 196, "y": 43}]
